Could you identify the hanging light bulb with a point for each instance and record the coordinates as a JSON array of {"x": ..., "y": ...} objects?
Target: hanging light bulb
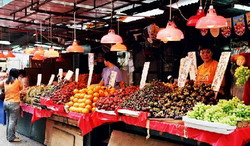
[
  {"x": 193, "y": 19},
  {"x": 211, "y": 20},
  {"x": 171, "y": 32},
  {"x": 51, "y": 53},
  {"x": 2, "y": 55},
  {"x": 75, "y": 47},
  {"x": 10, "y": 55},
  {"x": 118, "y": 47},
  {"x": 111, "y": 37}
]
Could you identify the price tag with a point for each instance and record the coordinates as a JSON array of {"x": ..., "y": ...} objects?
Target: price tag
[
  {"x": 184, "y": 71},
  {"x": 220, "y": 70},
  {"x": 90, "y": 76},
  {"x": 68, "y": 75},
  {"x": 131, "y": 66},
  {"x": 77, "y": 74},
  {"x": 39, "y": 79},
  {"x": 60, "y": 73},
  {"x": 193, "y": 67},
  {"x": 52, "y": 77},
  {"x": 112, "y": 78},
  {"x": 91, "y": 60},
  {"x": 144, "y": 74}
]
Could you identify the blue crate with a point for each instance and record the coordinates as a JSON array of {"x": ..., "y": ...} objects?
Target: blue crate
[{"x": 2, "y": 114}]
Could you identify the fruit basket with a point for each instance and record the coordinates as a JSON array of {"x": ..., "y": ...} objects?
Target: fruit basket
[{"x": 208, "y": 126}]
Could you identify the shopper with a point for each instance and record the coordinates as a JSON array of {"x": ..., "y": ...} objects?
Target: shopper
[
  {"x": 244, "y": 59},
  {"x": 206, "y": 71},
  {"x": 12, "y": 87},
  {"x": 23, "y": 78},
  {"x": 110, "y": 61}
]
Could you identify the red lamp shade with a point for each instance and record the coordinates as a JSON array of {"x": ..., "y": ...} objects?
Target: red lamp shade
[
  {"x": 75, "y": 47},
  {"x": 118, "y": 47},
  {"x": 60, "y": 59},
  {"x": 170, "y": 33},
  {"x": 10, "y": 55},
  {"x": 2, "y": 55},
  {"x": 38, "y": 55},
  {"x": 27, "y": 50},
  {"x": 211, "y": 20},
  {"x": 111, "y": 38},
  {"x": 51, "y": 53},
  {"x": 194, "y": 19}
]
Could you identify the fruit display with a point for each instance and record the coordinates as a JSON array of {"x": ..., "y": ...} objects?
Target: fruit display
[
  {"x": 111, "y": 102},
  {"x": 33, "y": 95},
  {"x": 62, "y": 96},
  {"x": 84, "y": 100},
  {"x": 163, "y": 101},
  {"x": 242, "y": 74},
  {"x": 226, "y": 112}
]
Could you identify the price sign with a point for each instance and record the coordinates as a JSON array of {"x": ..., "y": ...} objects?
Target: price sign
[
  {"x": 90, "y": 76},
  {"x": 91, "y": 60},
  {"x": 184, "y": 71},
  {"x": 52, "y": 77},
  {"x": 39, "y": 79},
  {"x": 60, "y": 73},
  {"x": 112, "y": 78},
  {"x": 220, "y": 70},
  {"x": 144, "y": 74},
  {"x": 68, "y": 75},
  {"x": 131, "y": 67},
  {"x": 77, "y": 74},
  {"x": 193, "y": 67}
]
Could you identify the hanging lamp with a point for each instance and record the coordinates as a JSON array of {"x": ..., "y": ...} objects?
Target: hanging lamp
[
  {"x": 34, "y": 50},
  {"x": 2, "y": 56},
  {"x": 75, "y": 47},
  {"x": 38, "y": 55},
  {"x": 10, "y": 55},
  {"x": 118, "y": 47},
  {"x": 111, "y": 37},
  {"x": 27, "y": 50},
  {"x": 194, "y": 19},
  {"x": 211, "y": 20},
  {"x": 51, "y": 53},
  {"x": 171, "y": 32}
]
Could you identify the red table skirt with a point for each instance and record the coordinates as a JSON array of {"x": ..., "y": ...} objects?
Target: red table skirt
[{"x": 86, "y": 122}]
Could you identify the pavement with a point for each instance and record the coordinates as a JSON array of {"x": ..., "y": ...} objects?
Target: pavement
[{"x": 25, "y": 140}]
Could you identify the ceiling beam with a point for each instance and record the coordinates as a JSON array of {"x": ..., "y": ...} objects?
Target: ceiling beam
[{"x": 25, "y": 7}]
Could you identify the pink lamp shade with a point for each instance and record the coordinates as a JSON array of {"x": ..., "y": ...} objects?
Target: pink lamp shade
[
  {"x": 2, "y": 55},
  {"x": 211, "y": 20},
  {"x": 27, "y": 50},
  {"x": 10, "y": 55},
  {"x": 118, "y": 47},
  {"x": 75, "y": 47},
  {"x": 111, "y": 38},
  {"x": 170, "y": 33},
  {"x": 38, "y": 55},
  {"x": 51, "y": 53},
  {"x": 33, "y": 51},
  {"x": 194, "y": 19}
]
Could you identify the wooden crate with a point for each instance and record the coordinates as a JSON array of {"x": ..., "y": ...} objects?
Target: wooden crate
[{"x": 61, "y": 134}]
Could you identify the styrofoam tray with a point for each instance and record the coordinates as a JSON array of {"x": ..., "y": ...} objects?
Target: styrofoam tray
[
  {"x": 208, "y": 126},
  {"x": 105, "y": 112},
  {"x": 128, "y": 112}
]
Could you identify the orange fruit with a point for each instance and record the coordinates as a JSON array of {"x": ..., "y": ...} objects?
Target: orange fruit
[
  {"x": 90, "y": 92},
  {"x": 96, "y": 94},
  {"x": 88, "y": 102},
  {"x": 70, "y": 103},
  {"x": 95, "y": 99},
  {"x": 75, "y": 100},
  {"x": 76, "y": 104},
  {"x": 75, "y": 91},
  {"x": 81, "y": 95},
  {"x": 80, "y": 101},
  {"x": 90, "y": 97},
  {"x": 82, "y": 105},
  {"x": 101, "y": 93},
  {"x": 77, "y": 95},
  {"x": 71, "y": 98},
  {"x": 89, "y": 107},
  {"x": 93, "y": 109},
  {"x": 106, "y": 93},
  {"x": 85, "y": 111},
  {"x": 71, "y": 109},
  {"x": 94, "y": 104}
]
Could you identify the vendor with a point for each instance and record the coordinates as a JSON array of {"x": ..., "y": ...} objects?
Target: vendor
[
  {"x": 110, "y": 61},
  {"x": 244, "y": 59},
  {"x": 23, "y": 78},
  {"x": 206, "y": 71}
]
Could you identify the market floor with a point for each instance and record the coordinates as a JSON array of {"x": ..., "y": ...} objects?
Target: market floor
[{"x": 25, "y": 140}]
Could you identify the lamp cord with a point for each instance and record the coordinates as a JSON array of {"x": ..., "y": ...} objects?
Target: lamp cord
[
  {"x": 181, "y": 12},
  {"x": 41, "y": 35},
  {"x": 211, "y": 2},
  {"x": 200, "y": 2},
  {"x": 170, "y": 11},
  {"x": 112, "y": 7},
  {"x": 74, "y": 25}
]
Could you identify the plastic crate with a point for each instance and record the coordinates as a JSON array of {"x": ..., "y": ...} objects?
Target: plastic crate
[{"x": 2, "y": 114}]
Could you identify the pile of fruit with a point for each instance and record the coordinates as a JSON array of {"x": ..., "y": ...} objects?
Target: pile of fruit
[
  {"x": 111, "y": 102},
  {"x": 242, "y": 74},
  {"x": 33, "y": 94},
  {"x": 84, "y": 100},
  {"x": 226, "y": 112}
]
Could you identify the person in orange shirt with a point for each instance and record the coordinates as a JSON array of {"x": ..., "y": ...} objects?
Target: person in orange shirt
[
  {"x": 12, "y": 87},
  {"x": 206, "y": 71}
]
